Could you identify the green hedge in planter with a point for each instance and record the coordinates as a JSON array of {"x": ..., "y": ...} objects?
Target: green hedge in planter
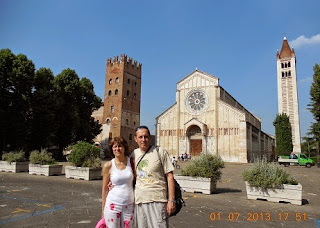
[
  {"x": 85, "y": 155},
  {"x": 14, "y": 156},
  {"x": 265, "y": 175},
  {"x": 206, "y": 165},
  {"x": 43, "y": 157}
]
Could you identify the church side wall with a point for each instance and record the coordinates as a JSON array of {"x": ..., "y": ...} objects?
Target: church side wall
[
  {"x": 231, "y": 134},
  {"x": 226, "y": 97}
]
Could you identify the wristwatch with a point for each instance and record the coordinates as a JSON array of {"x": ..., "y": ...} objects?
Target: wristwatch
[{"x": 173, "y": 201}]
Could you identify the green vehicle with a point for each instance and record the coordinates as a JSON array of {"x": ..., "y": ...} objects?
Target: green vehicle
[{"x": 295, "y": 159}]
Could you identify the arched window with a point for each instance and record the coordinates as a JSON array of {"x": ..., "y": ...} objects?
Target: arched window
[
  {"x": 108, "y": 121},
  {"x": 134, "y": 123},
  {"x": 282, "y": 65},
  {"x": 134, "y": 95},
  {"x": 289, "y": 73},
  {"x": 127, "y": 122},
  {"x": 116, "y": 92},
  {"x": 282, "y": 74},
  {"x": 289, "y": 64},
  {"x": 117, "y": 80},
  {"x": 128, "y": 93},
  {"x": 110, "y": 81},
  {"x": 128, "y": 80},
  {"x": 109, "y": 93},
  {"x": 285, "y": 65},
  {"x": 135, "y": 84}
]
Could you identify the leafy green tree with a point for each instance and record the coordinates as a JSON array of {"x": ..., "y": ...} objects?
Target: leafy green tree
[
  {"x": 43, "y": 105},
  {"x": 87, "y": 102},
  {"x": 6, "y": 72},
  {"x": 17, "y": 74},
  {"x": 307, "y": 146},
  {"x": 315, "y": 105},
  {"x": 76, "y": 101},
  {"x": 283, "y": 134}
]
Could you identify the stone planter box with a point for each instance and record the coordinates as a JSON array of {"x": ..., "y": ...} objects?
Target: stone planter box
[
  {"x": 196, "y": 184},
  {"x": 83, "y": 173},
  {"x": 46, "y": 170},
  {"x": 14, "y": 167},
  {"x": 289, "y": 193}
]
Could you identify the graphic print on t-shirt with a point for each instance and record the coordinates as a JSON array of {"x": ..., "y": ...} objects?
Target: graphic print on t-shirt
[{"x": 143, "y": 169}]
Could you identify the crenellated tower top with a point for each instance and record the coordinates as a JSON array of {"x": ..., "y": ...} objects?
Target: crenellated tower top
[{"x": 126, "y": 61}]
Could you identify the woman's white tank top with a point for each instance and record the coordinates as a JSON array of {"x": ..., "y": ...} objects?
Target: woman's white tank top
[{"x": 122, "y": 180}]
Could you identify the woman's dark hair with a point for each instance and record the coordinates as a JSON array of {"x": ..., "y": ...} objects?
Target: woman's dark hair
[{"x": 120, "y": 141}]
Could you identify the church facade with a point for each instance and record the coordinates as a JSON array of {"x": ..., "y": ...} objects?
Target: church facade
[{"x": 206, "y": 119}]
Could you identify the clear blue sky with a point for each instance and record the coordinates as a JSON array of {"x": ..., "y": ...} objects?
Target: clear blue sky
[{"x": 235, "y": 41}]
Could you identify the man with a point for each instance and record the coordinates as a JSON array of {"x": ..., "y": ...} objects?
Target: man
[{"x": 153, "y": 203}]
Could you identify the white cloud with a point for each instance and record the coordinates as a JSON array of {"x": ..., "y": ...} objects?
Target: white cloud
[
  {"x": 302, "y": 40},
  {"x": 306, "y": 80}
]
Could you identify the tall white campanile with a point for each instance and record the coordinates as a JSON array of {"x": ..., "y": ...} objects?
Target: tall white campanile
[{"x": 288, "y": 90}]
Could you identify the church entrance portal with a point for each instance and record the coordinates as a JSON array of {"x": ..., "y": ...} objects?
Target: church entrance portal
[
  {"x": 195, "y": 137},
  {"x": 195, "y": 147}
]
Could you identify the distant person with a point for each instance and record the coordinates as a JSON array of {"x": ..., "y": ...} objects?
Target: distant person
[
  {"x": 173, "y": 161},
  {"x": 118, "y": 202},
  {"x": 154, "y": 190}
]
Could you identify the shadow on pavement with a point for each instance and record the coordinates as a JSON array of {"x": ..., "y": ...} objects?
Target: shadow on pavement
[{"x": 225, "y": 190}]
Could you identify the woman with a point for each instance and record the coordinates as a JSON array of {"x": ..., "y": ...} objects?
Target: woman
[{"x": 118, "y": 203}]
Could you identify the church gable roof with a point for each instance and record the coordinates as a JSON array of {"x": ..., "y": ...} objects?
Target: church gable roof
[{"x": 197, "y": 79}]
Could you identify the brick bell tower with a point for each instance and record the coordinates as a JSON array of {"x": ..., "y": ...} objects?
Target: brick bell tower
[
  {"x": 122, "y": 98},
  {"x": 288, "y": 91}
]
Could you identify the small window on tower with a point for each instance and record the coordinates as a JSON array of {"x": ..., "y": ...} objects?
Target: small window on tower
[
  {"x": 117, "y": 80},
  {"x": 285, "y": 65},
  {"x": 134, "y": 95},
  {"x": 127, "y": 122},
  {"x": 289, "y": 64},
  {"x": 289, "y": 73},
  {"x": 112, "y": 109},
  {"x": 135, "y": 84},
  {"x": 109, "y": 93},
  {"x": 128, "y": 93},
  {"x": 110, "y": 81},
  {"x": 108, "y": 121},
  {"x": 282, "y": 65},
  {"x": 282, "y": 74},
  {"x": 134, "y": 123},
  {"x": 128, "y": 80},
  {"x": 116, "y": 92}
]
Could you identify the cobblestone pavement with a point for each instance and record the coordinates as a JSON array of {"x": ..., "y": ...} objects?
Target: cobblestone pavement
[{"x": 38, "y": 201}]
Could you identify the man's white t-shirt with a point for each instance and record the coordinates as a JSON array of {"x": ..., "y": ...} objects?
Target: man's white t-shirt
[{"x": 151, "y": 184}]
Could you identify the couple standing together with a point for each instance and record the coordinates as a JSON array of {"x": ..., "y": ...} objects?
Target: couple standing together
[{"x": 152, "y": 200}]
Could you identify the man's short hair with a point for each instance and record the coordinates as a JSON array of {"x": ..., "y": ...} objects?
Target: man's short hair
[{"x": 142, "y": 127}]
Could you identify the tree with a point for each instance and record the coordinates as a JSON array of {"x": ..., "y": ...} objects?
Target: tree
[
  {"x": 42, "y": 105},
  {"x": 308, "y": 145},
  {"x": 38, "y": 110},
  {"x": 17, "y": 74},
  {"x": 315, "y": 106},
  {"x": 75, "y": 101},
  {"x": 283, "y": 134}
]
